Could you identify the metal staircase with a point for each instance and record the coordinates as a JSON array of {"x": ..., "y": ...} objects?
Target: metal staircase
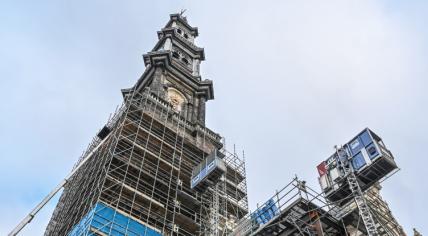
[{"x": 354, "y": 186}]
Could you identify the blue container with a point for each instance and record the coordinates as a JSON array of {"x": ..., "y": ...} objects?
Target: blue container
[
  {"x": 370, "y": 159},
  {"x": 265, "y": 213}
]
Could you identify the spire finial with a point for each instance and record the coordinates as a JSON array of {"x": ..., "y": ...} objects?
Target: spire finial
[{"x": 182, "y": 16}]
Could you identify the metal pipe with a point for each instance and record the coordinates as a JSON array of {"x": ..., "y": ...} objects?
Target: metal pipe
[{"x": 45, "y": 200}]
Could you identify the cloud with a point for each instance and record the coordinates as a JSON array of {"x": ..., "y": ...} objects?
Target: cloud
[{"x": 291, "y": 79}]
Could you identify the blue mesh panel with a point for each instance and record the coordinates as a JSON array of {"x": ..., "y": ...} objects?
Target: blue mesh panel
[{"x": 103, "y": 218}]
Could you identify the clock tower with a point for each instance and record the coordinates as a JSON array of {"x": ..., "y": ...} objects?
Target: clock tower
[
  {"x": 155, "y": 168},
  {"x": 172, "y": 70}
]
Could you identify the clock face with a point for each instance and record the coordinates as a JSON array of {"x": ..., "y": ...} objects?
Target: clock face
[{"x": 176, "y": 99}]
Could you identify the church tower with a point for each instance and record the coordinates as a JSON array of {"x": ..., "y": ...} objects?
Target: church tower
[
  {"x": 155, "y": 168},
  {"x": 172, "y": 71}
]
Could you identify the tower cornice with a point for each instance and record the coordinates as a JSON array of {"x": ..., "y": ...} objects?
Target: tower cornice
[
  {"x": 163, "y": 60},
  {"x": 170, "y": 33}
]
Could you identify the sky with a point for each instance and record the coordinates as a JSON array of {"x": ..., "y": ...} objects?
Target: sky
[{"x": 291, "y": 80}]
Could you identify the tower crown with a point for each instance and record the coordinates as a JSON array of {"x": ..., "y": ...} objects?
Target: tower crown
[
  {"x": 172, "y": 70},
  {"x": 182, "y": 27},
  {"x": 178, "y": 38}
]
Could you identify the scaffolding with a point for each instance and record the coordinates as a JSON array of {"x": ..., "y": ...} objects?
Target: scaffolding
[
  {"x": 152, "y": 171},
  {"x": 348, "y": 211},
  {"x": 142, "y": 171},
  {"x": 354, "y": 186},
  {"x": 298, "y": 209},
  {"x": 343, "y": 208}
]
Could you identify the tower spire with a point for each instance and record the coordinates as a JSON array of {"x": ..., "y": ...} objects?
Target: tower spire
[{"x": 172, "y": 70}]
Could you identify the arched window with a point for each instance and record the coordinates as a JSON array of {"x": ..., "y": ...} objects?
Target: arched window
[{"x": 185, "y": 60}]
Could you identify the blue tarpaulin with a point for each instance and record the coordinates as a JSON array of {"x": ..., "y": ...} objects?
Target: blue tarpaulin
[
  {"x": 266, "y": 212},
  {"x": 103, "y": 218}
]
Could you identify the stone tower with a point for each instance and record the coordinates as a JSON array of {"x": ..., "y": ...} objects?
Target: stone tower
[
  {"x": 155, "y": 168},
  {"x": 173, "y": 70}
]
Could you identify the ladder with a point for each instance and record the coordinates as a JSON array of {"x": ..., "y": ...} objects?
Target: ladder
[
  {"x": 214, "y": 213},
  {"x": 355, "y": 188}
]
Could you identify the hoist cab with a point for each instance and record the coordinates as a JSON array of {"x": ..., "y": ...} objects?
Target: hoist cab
[
  {"x": 368, "y": 157},
  {"x": 208, "y": 172}
]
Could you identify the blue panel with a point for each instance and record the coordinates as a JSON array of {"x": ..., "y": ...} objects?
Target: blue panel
[
  {"x": 372, "y": 151},
  {"x": 365, "y": 138},
  {"x": 355, "y": 146},
  {"x": 265, "y": 213},
  {"x": 83, "y": 226},
  {"x": 203, "y": 173},
  {"x": 358, "y": 161},
  {"x": 211, "y": 165},
  {"x": 106, "y": 220},
  {"x": 195, "y": 180}
]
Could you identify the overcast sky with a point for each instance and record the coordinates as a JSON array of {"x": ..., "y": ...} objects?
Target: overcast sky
[{"x": 291, "y": 80}]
